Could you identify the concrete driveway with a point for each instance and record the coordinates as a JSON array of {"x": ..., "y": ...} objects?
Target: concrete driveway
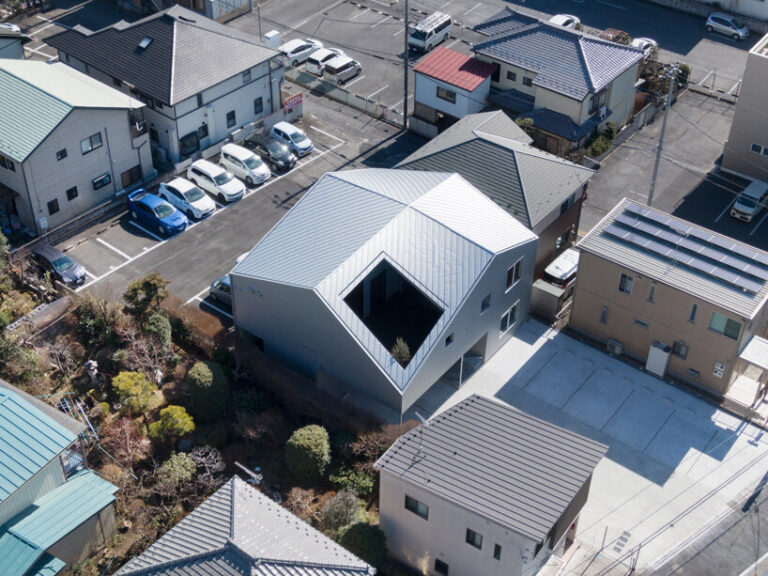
[{"x": 676, "y": 463}]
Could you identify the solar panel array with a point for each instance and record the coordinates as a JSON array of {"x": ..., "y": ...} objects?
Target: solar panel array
[{"x": 718, "y": 258}]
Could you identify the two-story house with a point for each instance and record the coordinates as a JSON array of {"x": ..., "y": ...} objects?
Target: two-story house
[
  {"x": 568, "y": 83},
  {"x": 682, "y": 299},
  {"x": 67, "y": 142},
  {"x": 53, "y": 510},
  {"x": 200, "y": 80},
  {"x": 483, "y": 488}
]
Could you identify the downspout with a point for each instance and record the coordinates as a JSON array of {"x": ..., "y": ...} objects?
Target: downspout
[{"x": 111, "y": 167}]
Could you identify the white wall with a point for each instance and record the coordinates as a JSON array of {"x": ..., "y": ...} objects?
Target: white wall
[
  {"x": 425, "y": 92},
  {"x": 621, "y": 99},
  {"x": 49, "y": 477}
]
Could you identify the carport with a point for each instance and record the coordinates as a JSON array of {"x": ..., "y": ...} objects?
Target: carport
[{"x": 749, "y": 387}]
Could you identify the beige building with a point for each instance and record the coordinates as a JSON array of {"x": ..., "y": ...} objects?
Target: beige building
[
  {"x": 746, "y": 151},
  {"x": 483, "y": 488},
  {"x": 681, "y": 299}
]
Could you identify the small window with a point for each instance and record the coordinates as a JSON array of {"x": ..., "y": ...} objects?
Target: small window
[
  {"x": 625, "y": 284},
  {"x": 527, "y": 81},
  {"x": 53, "y": 207},
  {"x": 202, "y": 131},
  {"x": 604, "y": 315},
  {"x": 474, "y": 539},
  {"x": 231, "y": 119},
  {"x": 145, "y": 42},
  {"x": 449, "y": 339},
  {"x": 567, "y": 204},
  {"x": 641, "y": 323},
  {"x": 485, "y": 304},
  {"x": 3, "y": 162},
  {"x": 680, "y": 349},
  {"x": 200, "y": 100},
  {"x": 91, "y": 143},
  {"x": 11, "y": 165},
  {"x": 418, "y": 508},
  {"x": 101, "y": 181},
  {"x": 652, "y": 293},
  {"x": 756, "y": 148},
  {"x": 508, "y": 319},
  {"x": 117, "y": 82},
  {"x": 725, "y": 326},
  {"x": 189, "y": 144},
  {"x": 497, "y": 552},
  {"x": 496, "y": 73},
  {"x": 692, "y": 317},
  {"x": 72, "y": 193},
  {"x": 246, "y": 76},
  {"x": 514, "y": 273},
  {"x": 258, "y": 105},
  {"x": 511, "y": 76},
  {"x": 441, "y": 567},
  {"x": 447, "y": 95},
  {"x": 61, "y": 154},
  {"x": 153, "y": 135}
]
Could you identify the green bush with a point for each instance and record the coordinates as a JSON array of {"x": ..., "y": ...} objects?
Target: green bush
[
  {"x": 173, "y": 423},
  {"x": 308, "y": 453},
  {"x": 683, "y": 73},
  {"x": 208, "y": 390},
  {"x": 599, "y": 146},
  {"x": 160, "y": 327},
  {"x": 358, "y": 480},
  {"x": 178, "y": 470},
  {"x": 134, "y": 390},
  {"x": 610, "y": 131},
  {"x": 143, "y": 296},
  {"x": 366, "y": 542},
  {"x": 95, "y": 318},
  {"x": 339, "y": 511}
]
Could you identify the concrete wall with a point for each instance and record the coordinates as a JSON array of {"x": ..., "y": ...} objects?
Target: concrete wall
[
  {"x": 11, "y": 48},
  {"x": 49, "y": 477},
  {"x": 90, "y": 535},
  {"x": 667, "y": 318},
  {"x": 425, "y": 92},
  {"x": 418, "y": 542}
]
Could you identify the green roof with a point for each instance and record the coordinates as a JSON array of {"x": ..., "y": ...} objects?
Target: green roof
[
  {"x": 17, "y": 554},
  {"x": 47, "y": 566}
]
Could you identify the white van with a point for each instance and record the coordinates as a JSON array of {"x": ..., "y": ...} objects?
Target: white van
[
  {"x": 341, "y": 69},
  {"x": 430, "y": 32},
  {"x": 215, "y": 180},
  {"x": 562, "y": 270},
  {"x": 750, "y": 202},
  {"x": 244, "y": 164}
]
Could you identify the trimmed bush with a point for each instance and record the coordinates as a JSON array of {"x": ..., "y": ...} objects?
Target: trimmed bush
[
  {"x": 599, "y": 146},
  {"x": 134, "y": 390},
  {"x": 178, "y": 470},
  {"x": 174, "y": 422},
  {"x": 610, "y": 130},
  {"x": 308, "y": 453},
  {"x": 339, "y": 511},
  {"x": 160, "y": 327},
  {"x": 683, "y": 73},
  {"x": 358, "y": 480},
  {"x": 366, "y": 542},
  {"x": 208, "y": 391}
]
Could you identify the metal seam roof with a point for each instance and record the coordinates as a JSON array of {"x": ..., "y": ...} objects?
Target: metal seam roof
[{"x": 455, "y": 68}]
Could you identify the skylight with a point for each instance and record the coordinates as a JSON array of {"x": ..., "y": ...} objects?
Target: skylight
[{"x": 144, "y": 43}]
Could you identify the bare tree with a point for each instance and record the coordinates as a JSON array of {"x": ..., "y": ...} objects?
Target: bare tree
[
  {"x": 369, "y": 446},
  {"x": 64, "y": 354},
  {"x": 210, "y": 465},
  {"x": 301, "y": 502},
  {"x": 140, "y": 352},
  {"x": 122, "y": 439}
]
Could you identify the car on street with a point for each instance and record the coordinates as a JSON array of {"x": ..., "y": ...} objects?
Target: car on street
[
  {"x": 156, "y": 213},
  {"x": 10, "y": 26},
  {"x": 62, "y": 267},
  {"x": 298, "y": 50},
  {"x": 341, "y": 69},
  {"x": 221, "y": 290},
  {"x": 566, "y": 21},
  {"x": 215, "y": 180},
  {"x": 728, "y": 25},
  {"x": 293, "y": 137},
  {"x": 647, "y": 45},
  {"x": 317, "y": 60},
  {"x": 244, "y": 164},
  {"x": 187, "y": 197}
]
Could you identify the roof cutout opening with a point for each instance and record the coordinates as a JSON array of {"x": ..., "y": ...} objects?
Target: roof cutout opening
[
  {"x": 144, "y": 43},
  {"x": 392, "y": 308}
]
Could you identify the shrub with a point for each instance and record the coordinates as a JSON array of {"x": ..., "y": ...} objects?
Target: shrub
[
  {"x": 366, "y": 542},
  {"x": 683, "y": 73},
  {"x": 599, "y": 146},
  {"x": 134, "y": 390},
  {"x": 174, "y": 422},
  {"x": 300, "y": 501},
  {"x": 208, "y": 390},
  {"x": 358, "y": 480},
  {"x": 5, "y": 261},
  {"x": 369, "y": 446},
  {"x": 308, "y": 453},
  {"x": 401, "y": 352},
  {"x": 124, "y": 440},
  {"x": 160, "y": 327},
  {"x": 610, "y": 131},
  {"x": 175, "y": 472},
  {"x": 339, "y": 511},
  {"x": 143, "y": 297},
  {"x": 96, "y": 318},
  {"x": 18, "y": 364}
]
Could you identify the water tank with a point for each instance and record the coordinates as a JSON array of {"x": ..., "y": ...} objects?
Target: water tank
[{"x": 272, "y": 39}]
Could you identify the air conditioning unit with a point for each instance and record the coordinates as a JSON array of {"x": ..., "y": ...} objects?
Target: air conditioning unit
[
  {"x": 602, "y": 113},
  {"x": 614, "y": 347}
]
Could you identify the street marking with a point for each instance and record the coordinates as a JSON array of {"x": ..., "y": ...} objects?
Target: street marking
[
  {"x": 88, "y": 273},
  {"x": 360, "y": 14},
  {"x": 728, "y": 207},
  {"x": 454, "y": 42},
  {"x": 316, "y": 129},
  {"x": 41, "y": 29},
  {"x": 447, "y": 4},
  {"x": 381, "y": 21},
  {"x": 604, "y": 3},
  {"x": 140, "y": 227},
  {"x": 399, "y": 32},
  {"x": 701, "y": 82},
  {"x": 372, "y": 94},
  {"x": 197, "y": 296},
  {"x": 759, "y": 224},
  {"x": 356, "y": 80},
  {"x": 219, "y": 310},
  {"x": 475, "y": 7},
  {"x": 54, "y": 22},
  {"x": 396, "y": 104},
  {"x": 38, "y": 51},
  {"x": 108, "y": 245}
]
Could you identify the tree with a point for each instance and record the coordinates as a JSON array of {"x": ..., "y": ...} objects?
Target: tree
[
  {"x": 370, "y": 446},
  {"x": 123, "y": 440},
  {"x": 175, "y": 473},
  {"x": 401, "y": 352},
  {"x": 5, "y": 264},
  {"x": 134, "y": 390},
  {"x": 139, "y": 352},
  {"x": 144, "y": 296},
  {"x": 159, "y": 327},
  {"x": 209, "y": 464},
  {"x": 300, "y": 501},
  {"x": 339, "y": 511},
  {"x": 173, "y": 422},
  {"x": 358, "y": 480},
  {"x": 308, "y": 453},
  {"x": 208, "y": 390},
  {"x": 366, "y": 542},
  {"x": 96, "y": 319}
]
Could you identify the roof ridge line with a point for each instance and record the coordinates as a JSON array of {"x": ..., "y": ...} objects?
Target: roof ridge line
[
  {"x": 401, "y": 202},
  {"x": 583, "y": 57},
  {"x": 172, "y": 562}
]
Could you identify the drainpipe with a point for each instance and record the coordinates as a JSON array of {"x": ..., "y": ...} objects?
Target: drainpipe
[{"x": 111, "y": 166}]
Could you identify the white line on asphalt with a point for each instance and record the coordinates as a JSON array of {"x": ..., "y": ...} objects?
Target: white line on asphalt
[
  {"x": 88, "y": 273},
  {"x": 372, "y": 94},
  {"x": 360, "y": 14},
  {"x": 604, "y": 3},
  {"x": 393, "y": 106},
  {"x": 759, "y": 224},
  {"x": 218, "y": 204},
  {"x": 475, "y": 7},
  {"x": 446, "y": 4},
  {"x": 316, "y": 129},
  {"x": 380, "y": 21},
  {"x": 454, "y": 42},
  {"x": 219, "y": 310},
  {"x": 356, "y": 80},
  {"x": 41, "y": 29},
  {"x": 398, "y": 32},
  {"x": 197, "y": 296},
  {"x": 140, "y": 227},
  {"x": 38, "y": 51},
  {"x": 728, "y": 207},
  {"x": 705, "y": 77},
  {"x": 108, "y": 245}
]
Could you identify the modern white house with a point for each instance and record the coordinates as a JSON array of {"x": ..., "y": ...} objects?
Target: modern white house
[
  {"x": 371, "y": 256},
  {"x": 200, "y": 80},
  {"x": 67, "y": 142},
  {"x": 483, "y": 488},
  {"x": 53, "y": 510}
]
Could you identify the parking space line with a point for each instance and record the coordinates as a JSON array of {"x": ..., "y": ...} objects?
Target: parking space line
[
  {"x": 197, "y": 296},
  {"x": 38, "y": 51},
  {"x": 475, "y": 7},
  {"x": 393, "y": 106},
  {"x": 454, "y": 42},
  {"x": 372, "y": 94},
  {"x": 728, "y": 207},
  {"x": 381, "y": 21},
  {"x": 108, "y": 245},
  {"x": 140, "y": 227},
  {"x": 41, "y": 29},
  {"x": 759, "y": 224},
  {"x": 356, "y": 80},
  {"x": 359, "y": 14},
  {"x": 219, "y": 310},
  {"x": 86, "y": 271},
  {"x": 316, "y": 129},
  {"x": 53, "y": 22},
  {"x": 398, "y": 32}
]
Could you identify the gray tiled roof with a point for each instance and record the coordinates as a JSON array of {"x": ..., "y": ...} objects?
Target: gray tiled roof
[
  {"x": 494, "y": 155},
  {"x": 240, "y": 532},
  {"x": 564, "y": 61},
  {"x": 504, "y": 21},
  {"x": 562, "y": 125},
  {"x": 507, "y": 466},
  {"x": 188, "y": 52}
]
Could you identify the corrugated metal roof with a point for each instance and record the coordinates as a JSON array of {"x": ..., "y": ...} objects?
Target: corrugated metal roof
[
  {"x": 507, "y": 466},
  {"x": 237, "y": 531},
  {"x": 187, "y": 53},
  {"x": 526, "y": 182},
  {"x": 29, "y": 440},
  {"x": 74, "y": 426},
  {"x": 561, "y": 124},
  {"x": 16, "y": 555},
  {"x": 37, "y": 96},
  {"x": 455, "y": 68},
  {"x": 47, "y": 566},
  {"x": 663, "y": 270}
]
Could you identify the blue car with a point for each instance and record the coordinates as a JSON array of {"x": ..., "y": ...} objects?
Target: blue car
[{"x": 156, "y": 213}]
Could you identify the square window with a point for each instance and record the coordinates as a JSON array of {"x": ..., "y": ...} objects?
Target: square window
[
  {"x": 72, "y": 193},
  {"x": 441, "y": 567},
  {"x": 527, "y": 81},
  {"x": 508, "y": 319},
  {"x": 511, "y": 76},
  {"x": 474, "y": 539},
  {"x": 725, "y": 326},
  {"x": 514, "y": 273},
  {"x": 449, "y": 339},
  {"x": 680, "y": 349},
  {"x": 61, "y": 154},
  {"x": 246, "y": 76},
  {"x": 756, "y": 148},
  {"x": 101, "y": 181},
  {"x": 447, "y": 95},
  {"x": 202, "y": 132},
  {"x": 53, "y": 207},
  {"x": 418, "y": 508},
  {"x": 485, "y": 304},
  {"x": 625, "y": 284},
  {"x": 258, "y": 106},
  {"x": 231, "y": 119},
  {"x": 497, "y": 552}
]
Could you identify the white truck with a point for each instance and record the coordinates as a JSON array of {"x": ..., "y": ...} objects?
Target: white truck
[{"x": 750, "y": 202}]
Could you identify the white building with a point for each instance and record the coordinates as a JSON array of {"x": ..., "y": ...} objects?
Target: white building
[
  {"x": 201, "y": 80},
  {"x": 483, "y": 488},
  {"x": 67, "y": 142},
  {"x": 370, "y": 256}
]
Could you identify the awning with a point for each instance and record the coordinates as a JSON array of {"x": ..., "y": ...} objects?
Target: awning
[{"x": 756, "y": 352}]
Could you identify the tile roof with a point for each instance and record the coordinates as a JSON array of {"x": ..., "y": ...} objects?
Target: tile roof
[
  {"x": 494, "y": 154},
  {"x": 238, "y": 531},
  {"x": 511, "y": 468},
  {"x": 504, "y": 21},
  {"x": 564, "y": 61},
  {"x": 455, "y": 68},
  {"x": 187, "y": 53}
]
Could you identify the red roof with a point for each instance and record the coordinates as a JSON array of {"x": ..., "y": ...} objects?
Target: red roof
[{"x": 455, "y": 68}]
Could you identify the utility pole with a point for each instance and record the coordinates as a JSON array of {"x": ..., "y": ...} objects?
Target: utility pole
[
  {"x": 672, "y": 78},
  {"x": 405, "y": 69},
  {"x": 258, "y": 13}
]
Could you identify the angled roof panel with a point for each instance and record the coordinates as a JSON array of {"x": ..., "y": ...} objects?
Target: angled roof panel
[
  {"x": 504, "y": 21},
  {"x": 455, "y": 68}
]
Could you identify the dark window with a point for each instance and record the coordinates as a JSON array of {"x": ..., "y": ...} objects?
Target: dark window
[
  {"x": 246, "y": 76},
  {"x": 514, "y": 273},
  {"x": 680, "y": 349},
  {"x": 91, "y": 143},
  {"x": 692, "y": 317},
  {"x": 153, "y": 135},
  {"x": 231, "y": 118},
  {"x": 101, "y": 181},
  {"x": 474, "y": 538},
  {"x": 725, "y": 326},
  {"x": 202, "y": 132},
  {"x": 485, "y": 304},
  {"x": 117, "y": 82},
  {"x": 604, "y": 315},
  {"x": 598, "y": 100},
  {"x": 508, "y": 319},
  {"x": 625, "y": 284},
  {"x": 11, "y": 165},
  {"x": 757, "y": 148},
  {"x": 539, "y": 546},
  {"x": 3, "y": 162},
  {"x": 652, "y": 293},
  {"x": 200, "y": 100},
  {"x": 53, "y": 207},
  {"x": 527, "y": 81},
  {"x": 417, "y": 507},
  {"x": 641, "y": 323},
  {"x": 567, "y": 204},
  {"x": 511, "y": 76},
  {"x": 497, "y": 552},
  {"x": 189, "y": 144},
  {"x": 258, "y": 105},
  {"x": 496, "y": 72},
  {"x": 72, "y": 193},
  {"x": 61, "y": 154},
  {"x": 447, "y": 95},
  {"x": 449, "y": 339},
  {"x": 441, "y": 567}
]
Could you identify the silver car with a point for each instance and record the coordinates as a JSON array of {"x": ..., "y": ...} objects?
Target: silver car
[
  {"x": 728, "y": 25},
  {"x": 221, "y": 290}
]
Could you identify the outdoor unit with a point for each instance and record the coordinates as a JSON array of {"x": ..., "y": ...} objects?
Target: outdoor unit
[
  {"x": 603, "y": 112},
  {"x": 614, "y": 347}
]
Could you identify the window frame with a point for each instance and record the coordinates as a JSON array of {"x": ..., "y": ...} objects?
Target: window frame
[
  {"x": 692, "y": 315},
  {"x": 497, "y": 552},
  {"x": 680, "y": 349},
  {"x": 89, "y": 139},
  {"x": 53, "y": 206},
  {"x": 258, "y": 109},
  {"x": 517, "y": 274},
  {"x": 443, "y": 567},
  {"x": 652, "y": 293},
  {"x": 415, "y": 506},
  {"x": 604, "y": 316},
  {"x": 528, "y": 81},
  {"x": 71, "y": 196},
  {"x": 726, "y": 323},
  {"x": 61, "y": 154},
  {"x": 511, "y": 76},
  {"x": 101, "y": 181},
  {"x": 485, "y": 304},
  {"x": 246, "y": 76},
  {"x": 472, "y": 537},
  {"x": 231, "y": 122},
  {"x": 445, "y": 94},
  {"x": 511, "y": 319},
  {"x": 626, "y": 283}
]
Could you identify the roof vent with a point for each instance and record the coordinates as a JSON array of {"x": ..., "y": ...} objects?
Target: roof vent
[{"x": 144, "y": 43}]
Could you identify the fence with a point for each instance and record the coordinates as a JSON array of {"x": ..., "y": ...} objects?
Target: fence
[{"x": 226, "y": 10}]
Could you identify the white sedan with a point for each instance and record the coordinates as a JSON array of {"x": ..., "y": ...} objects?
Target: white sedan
[
  {"x": 187, "y": 198},
  {"x": 298, "y": 50},
  {"x": 566, "y": 21},
  {"x": 647, "y": 45}
]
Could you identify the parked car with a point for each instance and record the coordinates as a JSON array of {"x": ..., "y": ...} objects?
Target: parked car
[
  {"x": 298, "y": 50},
  {"x": 216, "y": 181},
  {"x": 295, "y": 138},
  {"x": 11, "y": 27},
  {"x": 221, "y": 290},
  {"x": 317, "y": 60},
  {"x": 566, "y": 21},
  {"x": 750, "y": 202},
  {"x": 342, "y": 69},
  {"x": 244, "y": 164},
  {"x": 272, "y": 151},
  {"x": 430, "y": 32},
  {"x": 156, "y": 212},
  {"x": 728, "y": 25},
  {"x": 62, "y": 267},
  {"x": 647, "y": 45},
  {"x": 187, "y": 197}
]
